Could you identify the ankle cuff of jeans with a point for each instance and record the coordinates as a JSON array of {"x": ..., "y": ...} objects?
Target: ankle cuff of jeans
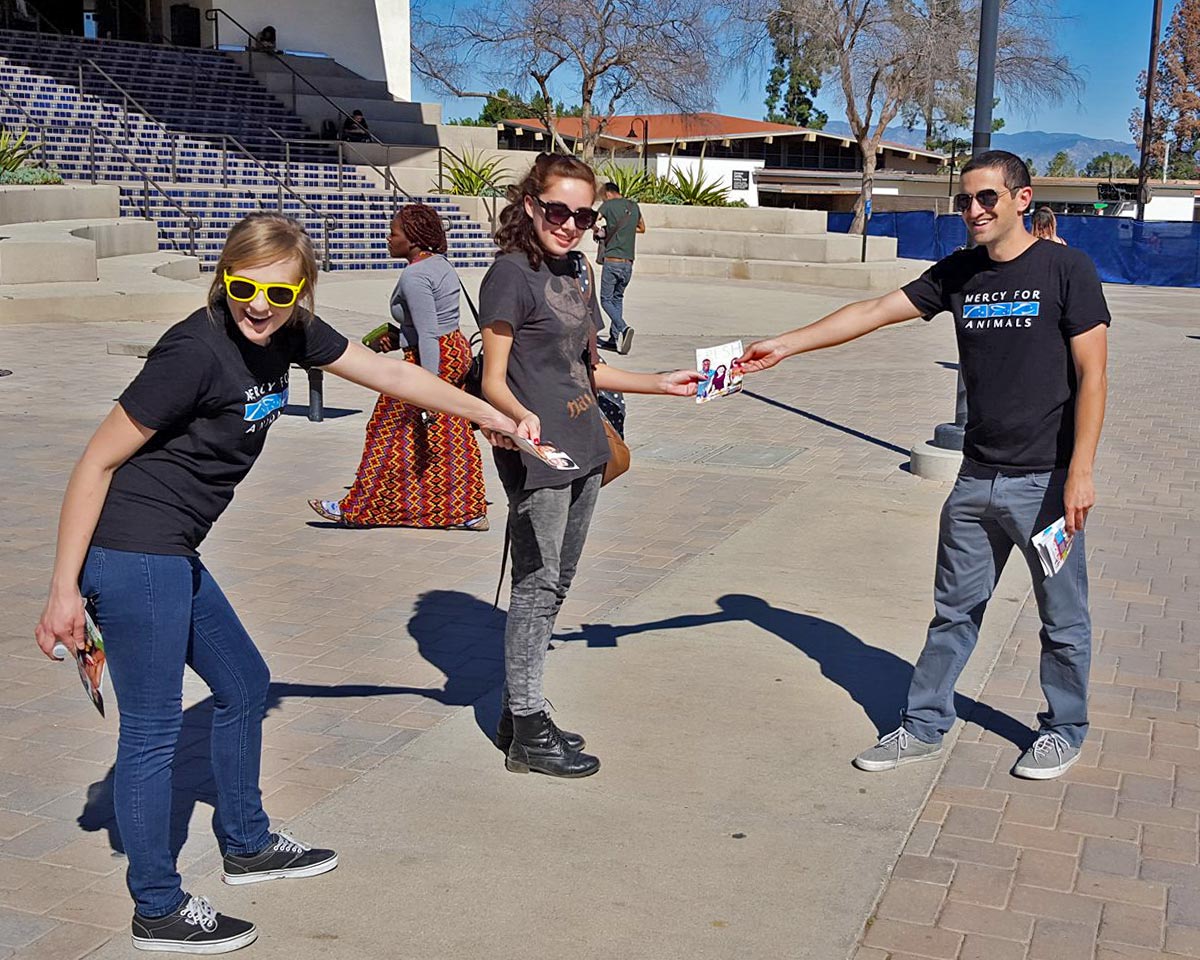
[{"x": 183, "y": 898}]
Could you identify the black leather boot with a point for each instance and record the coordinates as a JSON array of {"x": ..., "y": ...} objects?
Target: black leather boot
[
  {"x": 504, "y": 734},
  {"x": 538, "y": 746}
]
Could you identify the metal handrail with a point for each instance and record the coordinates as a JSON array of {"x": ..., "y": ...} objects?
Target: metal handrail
[
  {"x": 126, "y": 97},
  {"x": 193, "y": 219},
  {"x": 327, "y": 221},
  {"x": 213, "y": 15},
  {"x": 385, "y": 172},
  {"x": 30, "y": 118}
]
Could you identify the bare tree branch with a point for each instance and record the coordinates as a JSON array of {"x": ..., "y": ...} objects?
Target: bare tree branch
[{"x": 614, "y": 53}]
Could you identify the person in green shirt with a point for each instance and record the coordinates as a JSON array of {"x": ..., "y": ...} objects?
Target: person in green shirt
[{"x": 619, "y": 223}]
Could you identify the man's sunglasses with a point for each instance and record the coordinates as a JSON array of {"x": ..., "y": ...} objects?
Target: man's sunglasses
[
  {"x": 279, "y": 295},
  {"x": 559, "y": 213},
  {"x": 987, "y": 199}
]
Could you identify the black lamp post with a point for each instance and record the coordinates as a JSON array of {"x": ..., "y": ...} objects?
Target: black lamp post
[
  {"x": 1148, "y": 117},
  {"x": 645, "y": 141},
  {"x": 949, "y": 436}
]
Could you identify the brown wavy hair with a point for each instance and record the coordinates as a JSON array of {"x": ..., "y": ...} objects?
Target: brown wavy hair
[
  {"x": 422, "y": 226},
  {"x": 261, "y": 238},
  {"x": 1044, "y": 223},
  {"x": 517, "y": 233}
]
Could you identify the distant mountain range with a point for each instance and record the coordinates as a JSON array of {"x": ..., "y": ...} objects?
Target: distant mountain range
[{"x": 1029, "y": 144}]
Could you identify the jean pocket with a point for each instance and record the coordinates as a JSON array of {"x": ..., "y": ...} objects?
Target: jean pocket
[{"x": 91, "y": 575}]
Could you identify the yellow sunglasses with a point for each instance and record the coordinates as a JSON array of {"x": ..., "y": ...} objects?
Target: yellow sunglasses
[{"x": 280, "y": 295}]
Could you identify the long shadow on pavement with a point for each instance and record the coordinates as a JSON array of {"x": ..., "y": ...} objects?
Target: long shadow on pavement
[
  {"x": 825, "y": 422},
  {"x": 455, "y": 632},
  {"x": 876, "y": 679}
]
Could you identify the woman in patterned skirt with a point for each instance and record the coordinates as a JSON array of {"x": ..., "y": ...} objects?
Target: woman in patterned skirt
[{"x": 419, "y": 469}]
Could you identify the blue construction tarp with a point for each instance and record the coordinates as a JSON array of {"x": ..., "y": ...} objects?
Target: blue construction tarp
[{"x": 1150, "y": 253}]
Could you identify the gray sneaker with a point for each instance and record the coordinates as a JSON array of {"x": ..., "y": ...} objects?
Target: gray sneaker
[
  {"x": 1049, "y": 757},
  {"x": 897, "y": 748}
]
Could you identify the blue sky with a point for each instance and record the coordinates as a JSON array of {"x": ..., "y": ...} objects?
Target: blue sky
[{"x": 1108, "y": 39}]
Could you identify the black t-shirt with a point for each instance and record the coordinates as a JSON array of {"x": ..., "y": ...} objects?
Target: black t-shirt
[
  {"x": 553, "y": 314},
  {"x": 211, "y": 395},
  {"x": 1014, "y": 321}
]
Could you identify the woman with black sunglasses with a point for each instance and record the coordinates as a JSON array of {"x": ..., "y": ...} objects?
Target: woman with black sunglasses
[
  {"x": 156, "y": 475},
  {"x": 539, "y": 317}
]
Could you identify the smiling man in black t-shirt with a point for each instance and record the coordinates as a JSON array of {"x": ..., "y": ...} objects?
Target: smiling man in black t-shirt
[{"x": 1031, "y": 323}]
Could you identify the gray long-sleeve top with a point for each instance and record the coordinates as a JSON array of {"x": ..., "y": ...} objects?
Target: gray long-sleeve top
[{"x": 425, "y": 305}]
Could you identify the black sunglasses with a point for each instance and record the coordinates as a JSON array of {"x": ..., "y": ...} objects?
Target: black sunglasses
[
  {"x": 987, "y": 199},
  {"x": 559, "y": 213}
]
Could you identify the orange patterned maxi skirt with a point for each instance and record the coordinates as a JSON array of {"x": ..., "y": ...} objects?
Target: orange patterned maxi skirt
[{"x": 417, "y": 474}]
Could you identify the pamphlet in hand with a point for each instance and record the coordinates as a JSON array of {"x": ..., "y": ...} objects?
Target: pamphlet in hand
[
  {"x": 89, "y": 659},
  {"x": 716, "y": 366},
  {"x": 545, "y": 451},
  {"x": 1052, "y": 545}
]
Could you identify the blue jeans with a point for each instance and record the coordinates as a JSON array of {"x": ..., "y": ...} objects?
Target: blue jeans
[
  {"x": 613, "y": 281},
  {"x": 158, "y": 613},
  {"x": 987, "y": 513}
]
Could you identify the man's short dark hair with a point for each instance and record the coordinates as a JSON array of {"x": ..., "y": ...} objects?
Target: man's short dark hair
[
  {"x": 1016, "y": 174},
  {"x": 612, "y": 187}
]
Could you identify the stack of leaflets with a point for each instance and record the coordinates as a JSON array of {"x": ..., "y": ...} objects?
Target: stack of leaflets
[{"x": 1052, "y": 545}]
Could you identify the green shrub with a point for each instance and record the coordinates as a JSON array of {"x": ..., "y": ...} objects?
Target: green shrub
[
  {"x": 694, "y": 190},
  {"x": 30, "y": 177},
  {"x": 13, "y": 150},
  {"x": 473, "y": 176},
  {"x": 633, "y": 183},
  {"x": 680, "y": 188}
]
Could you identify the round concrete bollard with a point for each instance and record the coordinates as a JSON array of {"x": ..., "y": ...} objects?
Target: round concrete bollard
[{"x": 934, "y": 463}]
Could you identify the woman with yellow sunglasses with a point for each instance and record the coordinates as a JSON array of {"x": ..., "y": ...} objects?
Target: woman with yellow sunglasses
[{"x": 154, "y": 478}]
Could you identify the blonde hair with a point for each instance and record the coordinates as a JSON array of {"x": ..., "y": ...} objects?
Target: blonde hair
[{"x": 262, "y": 238}]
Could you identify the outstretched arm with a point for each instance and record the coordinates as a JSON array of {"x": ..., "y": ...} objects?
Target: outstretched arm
[
  {"x": 1089, "y": 352},
  {"x": 843, "y": 325},
  {"x": 676, "y": 383},
  {"x": 407, "y": 381}
]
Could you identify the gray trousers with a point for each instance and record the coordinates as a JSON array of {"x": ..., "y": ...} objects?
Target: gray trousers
[
  {"x": 548, "y": 528},
  {"x": 987, "y": 513}
]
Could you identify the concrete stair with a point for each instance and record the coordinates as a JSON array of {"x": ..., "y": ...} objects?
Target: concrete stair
[{"x": 766, "y": 244}]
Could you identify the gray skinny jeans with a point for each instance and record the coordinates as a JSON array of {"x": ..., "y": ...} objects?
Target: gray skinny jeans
[
  {"x": 548, "y": 527},
  {"x": 989, "y": 512}
]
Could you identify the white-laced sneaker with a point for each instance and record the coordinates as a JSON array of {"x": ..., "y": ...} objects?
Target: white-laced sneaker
[
  {"x": 194, "y": 928},
  {"x": 1050, "y": 756},
  {"x": 894, "y": 749},
  {"x": 283, "y": 858}
]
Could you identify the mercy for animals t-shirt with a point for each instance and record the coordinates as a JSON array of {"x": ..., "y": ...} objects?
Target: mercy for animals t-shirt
[
  {"x": 1014, "y": 321},
  {"x": 210, "y": 394}
]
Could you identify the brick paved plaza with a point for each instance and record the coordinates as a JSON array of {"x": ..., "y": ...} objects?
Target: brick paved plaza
[{"x": 746, "y": 614}]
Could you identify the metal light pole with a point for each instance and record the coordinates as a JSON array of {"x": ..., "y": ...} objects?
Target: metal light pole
[
  {"x": 949, "y": 436},
  {"x": 645, "y": 141},
  {"x": 1148, "y": 116}
]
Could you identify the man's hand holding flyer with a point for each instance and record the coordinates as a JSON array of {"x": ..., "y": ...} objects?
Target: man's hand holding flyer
[{"x": 1053, "y": 545}]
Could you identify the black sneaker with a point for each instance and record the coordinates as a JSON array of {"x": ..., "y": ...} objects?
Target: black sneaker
[
  {"x": 625, "y": 341},
  {"x": 284, "y": 857},
  {"x": 194, "y": 928}
]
